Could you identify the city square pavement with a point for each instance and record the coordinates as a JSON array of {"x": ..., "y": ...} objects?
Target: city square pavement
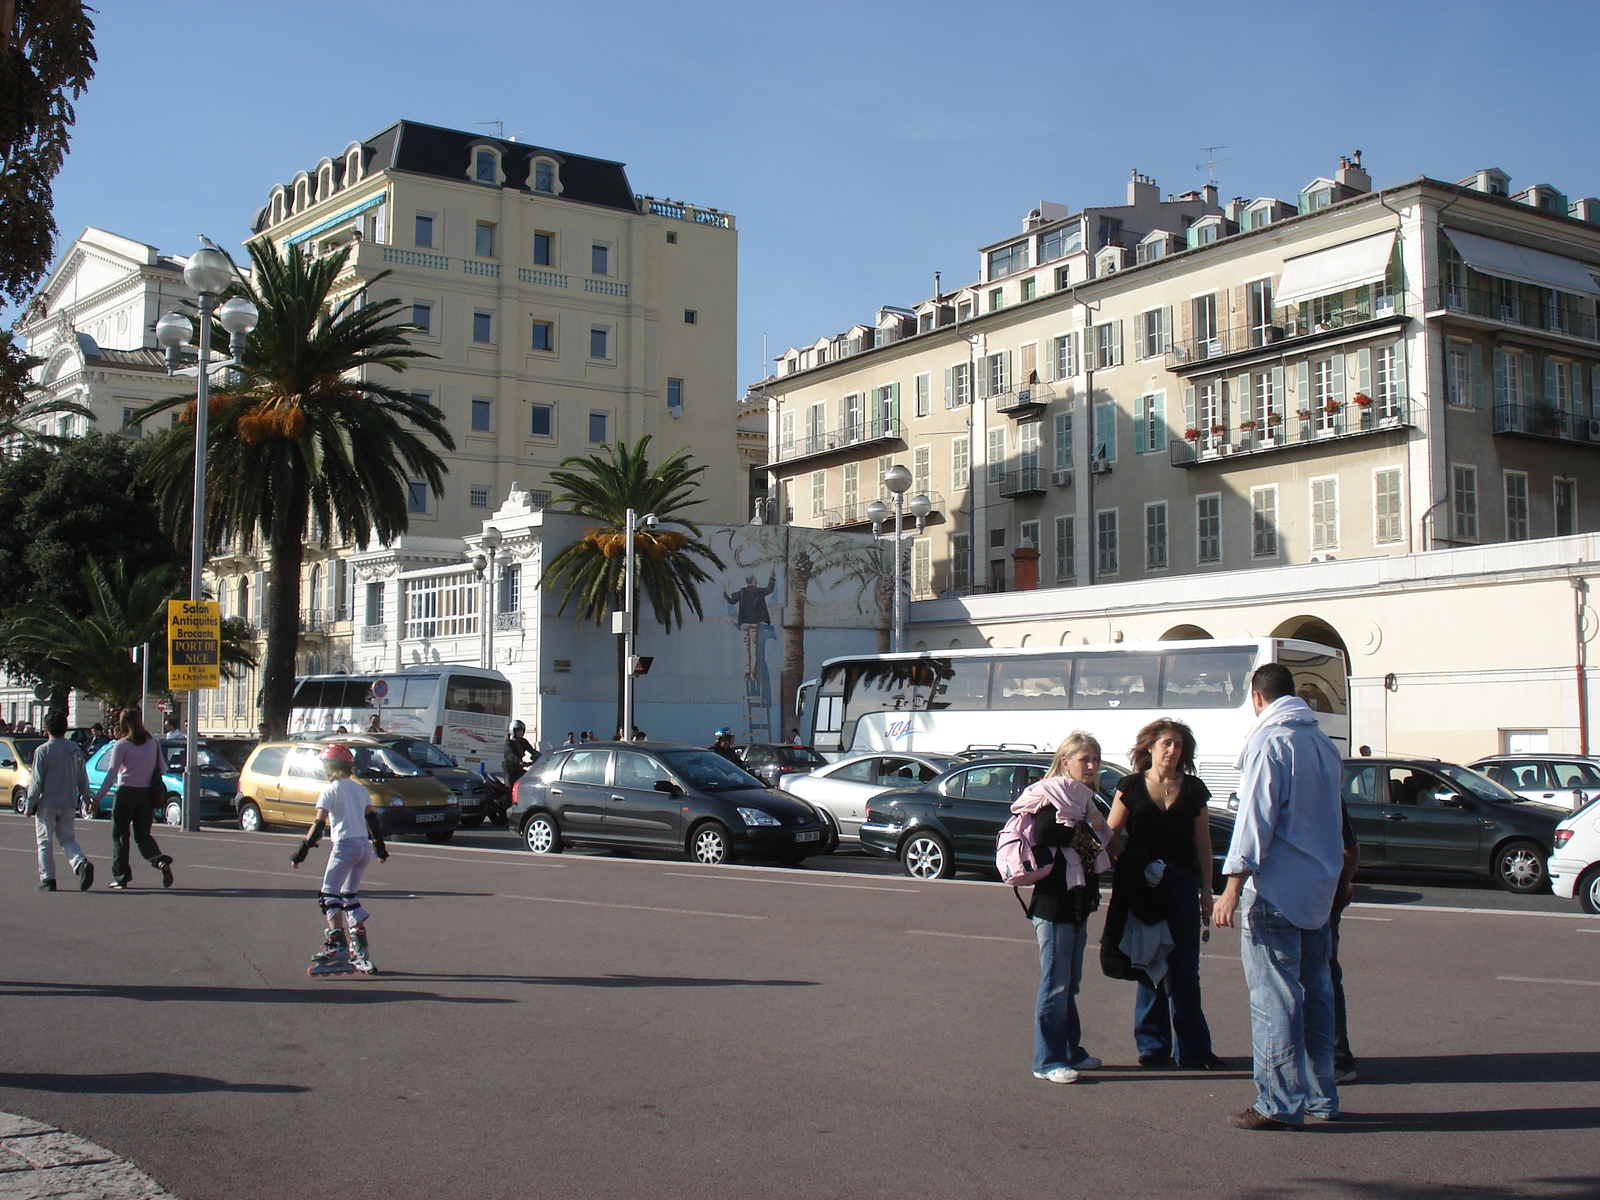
[{"x": 597, "y": 1026}]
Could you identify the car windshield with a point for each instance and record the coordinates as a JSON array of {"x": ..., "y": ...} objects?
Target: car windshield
[
  {"x": 799, "y": 756},
  {"x": 709, "y": 772},
  {"x": 424, "y": 754},
  {"x": 1478, "y": 785},
  {"x": 380, "y": 760},
  {"x": 210, "y": 763},
  {"x": 26, "y": 747}
]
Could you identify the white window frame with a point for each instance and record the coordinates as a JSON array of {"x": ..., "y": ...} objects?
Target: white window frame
[
  {"x": 1101, "y": 527},
  {"x": 1325, "y": 513},
  {"x": 922, "y": 393},
  {"x": 1066, "y": 550},
  {"x": 1395, "y": 520},
  {"x": 1458, "y": 373},
  {"x": 549, "y": 408},
  {"x": 1264, "y": 540},
  {"x": 487, "y": 315},
  {"x": 1557, "y": 484}
]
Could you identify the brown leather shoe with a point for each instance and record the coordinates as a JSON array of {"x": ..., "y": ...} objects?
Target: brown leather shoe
[{"x": 1250, "y": 1118}]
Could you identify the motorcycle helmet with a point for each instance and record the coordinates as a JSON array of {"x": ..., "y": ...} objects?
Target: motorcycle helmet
[{"x": 339, "y": 754}]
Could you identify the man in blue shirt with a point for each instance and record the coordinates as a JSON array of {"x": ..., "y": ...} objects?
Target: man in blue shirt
[{"x": 1283, "y": 868}]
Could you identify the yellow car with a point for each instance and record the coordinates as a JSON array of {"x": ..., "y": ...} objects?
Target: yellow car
[
  {"x": 281, "y": 781},
  {"x": 16, "y": 770}
]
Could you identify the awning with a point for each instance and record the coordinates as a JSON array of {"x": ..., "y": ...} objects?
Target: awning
[
  {"x": 337, "y": 219},
  {"x": 1523, "y": 263},
  {"x": 1324, "y": 272}
]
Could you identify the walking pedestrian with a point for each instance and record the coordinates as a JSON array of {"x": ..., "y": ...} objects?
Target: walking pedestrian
[
  {"x": 1344, "y": 1060},
  {"x": 133, "y": 766},
  {"x": 1283, "y": 870},
  {"x": 345, "y": 807},
  {"x": 1067, "y": 819},
  {"x": 59, "y": 785},
  {"x": 1161, "y": 811}
]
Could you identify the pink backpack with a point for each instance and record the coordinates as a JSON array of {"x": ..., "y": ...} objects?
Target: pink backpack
[{"x": 1020, "y": 860}]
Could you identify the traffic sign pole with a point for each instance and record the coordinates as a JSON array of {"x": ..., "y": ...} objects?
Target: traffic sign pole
[{"x": 194, "y": 662}]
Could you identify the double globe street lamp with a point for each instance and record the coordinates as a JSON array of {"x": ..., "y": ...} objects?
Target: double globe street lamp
[
  {"x": 209, "y": 272},
  {"x": 898, "y": 480}
]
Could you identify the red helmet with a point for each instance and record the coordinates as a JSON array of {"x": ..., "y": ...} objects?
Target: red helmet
[{"x": 340, "y": 754}]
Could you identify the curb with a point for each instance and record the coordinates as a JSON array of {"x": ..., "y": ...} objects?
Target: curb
[{"x": 41, "y": 1162}]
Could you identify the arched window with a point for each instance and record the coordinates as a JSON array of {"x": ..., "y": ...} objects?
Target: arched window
[
  {"x": 544, "y": 177},
  {"x": 316, "y": 586},
  {"x": 486, "y": 166},
  {"x": 324, "y": 181},
  {"x": 277, "y": 205},
  {"x": 302, "y": 194},
  {"x": 242, "y": 608},
  {"x": 352, "y": 164}
]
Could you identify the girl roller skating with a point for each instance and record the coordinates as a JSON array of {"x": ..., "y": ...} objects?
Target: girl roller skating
[{"x": 345, "y": 806}]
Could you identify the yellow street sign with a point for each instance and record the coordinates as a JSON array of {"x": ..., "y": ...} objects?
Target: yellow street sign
[{"x": 194, "y": 644}]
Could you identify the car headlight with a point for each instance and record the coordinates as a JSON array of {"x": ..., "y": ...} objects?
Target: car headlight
[
  {"x": 397, "y": 802},
  {"x": 453, "y": 800},
  {"x": 754, "y": 816}
]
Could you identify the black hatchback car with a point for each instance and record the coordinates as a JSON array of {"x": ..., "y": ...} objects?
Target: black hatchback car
[
  {"x": 659, "y": 796},
  {"x": 1418, "y": 812},
  {"x": 771, "y": 761}
]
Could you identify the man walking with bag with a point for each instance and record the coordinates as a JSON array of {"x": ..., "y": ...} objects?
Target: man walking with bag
[
  {"x": 59, "y": 786},
  {"x": 1283, "y": 869}
]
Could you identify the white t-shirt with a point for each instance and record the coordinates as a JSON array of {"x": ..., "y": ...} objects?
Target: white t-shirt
[{"x": 345, "y": 802}]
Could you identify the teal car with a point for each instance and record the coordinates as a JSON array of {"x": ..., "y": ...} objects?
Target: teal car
[{"x": 219, "y": 784}]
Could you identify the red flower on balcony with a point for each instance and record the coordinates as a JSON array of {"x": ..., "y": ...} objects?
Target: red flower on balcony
[
  {"x": 1247, "y": 426},
  {"x": 1304, "y": 414},
  {"x": 1362, "y": 400},
  {"x": 1191, "y": 435},
  {"x": 1331, "y": 407},
  {"x": 1219, "y": 430}
]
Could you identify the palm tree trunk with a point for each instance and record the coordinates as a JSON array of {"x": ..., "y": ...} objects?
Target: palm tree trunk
[{"x": 283, "y": 621}]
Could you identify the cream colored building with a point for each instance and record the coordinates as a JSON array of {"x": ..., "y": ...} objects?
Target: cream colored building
[{"x": 1137, "y": 399}]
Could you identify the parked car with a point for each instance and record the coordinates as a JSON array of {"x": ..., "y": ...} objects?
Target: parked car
[
  {"x": 841, "y": 789},
  {"x": 1575, "y": 865},
  {"x": 281, "y": 781},
  {"x": 235, "y": 749},
  {"x": 659, "y": 796},
  {"x": 771, "y": 761},
  {"x": 16, "y": 771},
  {"x": 469, "y": 788},
  {"x": 219, "y": 784},
  {"x": 1564, "y": 780},
  {"x": 1422, "y": 813},
  {"x": 950, "y": 823}
]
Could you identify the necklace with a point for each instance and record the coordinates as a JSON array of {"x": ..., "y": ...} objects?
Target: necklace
[{"x": 1163, "y": 791}]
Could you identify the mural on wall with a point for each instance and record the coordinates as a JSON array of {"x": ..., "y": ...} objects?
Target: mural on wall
[{"x": 825, "y": 580}]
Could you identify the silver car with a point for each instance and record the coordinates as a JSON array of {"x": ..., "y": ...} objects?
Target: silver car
[
  {"x": 1567, "y": 780},
  {"x": 840, "y": 790}
]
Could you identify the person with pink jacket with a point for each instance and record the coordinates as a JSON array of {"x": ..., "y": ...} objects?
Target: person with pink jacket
[{"x": 134, "y": 766}]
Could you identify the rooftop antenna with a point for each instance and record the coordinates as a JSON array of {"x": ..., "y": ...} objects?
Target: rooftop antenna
[
  {"x": 936, "y": 291},
  {"x": 1211, "y": 163},
  {"x": 500, "y": 127}
]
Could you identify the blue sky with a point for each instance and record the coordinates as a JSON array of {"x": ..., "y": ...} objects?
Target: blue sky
[{"x": 861, "y": 146}]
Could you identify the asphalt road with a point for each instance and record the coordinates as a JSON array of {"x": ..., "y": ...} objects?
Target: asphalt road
[{"x": 598, "y": 1026}]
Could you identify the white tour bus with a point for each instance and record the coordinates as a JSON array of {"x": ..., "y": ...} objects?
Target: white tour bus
[
  {"x": 950, "y": 701},
  {"x": 465, "y": 711}
]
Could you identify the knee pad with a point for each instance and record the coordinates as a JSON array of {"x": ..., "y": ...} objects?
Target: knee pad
[
  {"x": 350, "y": 901},
  {"x": 329, "y": 902}
]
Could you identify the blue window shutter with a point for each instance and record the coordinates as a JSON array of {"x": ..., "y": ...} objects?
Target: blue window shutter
[
  {"x": 1157, "y": 408},
  {"x": 1500, "y": 388},
  {"x": 1139, "y": 446},
  {"x": 1550, "y": 393},
  {"x": 1479, "y": 383}
]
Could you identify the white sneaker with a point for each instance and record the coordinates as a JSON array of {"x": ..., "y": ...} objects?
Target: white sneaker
[
  {"x": 1058, "y": 1075},
  {"x": 1087, "y": 1063}
]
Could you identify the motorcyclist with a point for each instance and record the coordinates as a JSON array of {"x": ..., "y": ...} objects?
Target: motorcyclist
[
  {"x": 723, "y": 745},
  {"x": 517, "y": 749}
]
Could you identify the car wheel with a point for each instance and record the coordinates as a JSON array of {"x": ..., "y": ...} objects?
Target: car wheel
[
  {"x": 250, "y": 818},
  {"x": 472, "y": 822},
  {"x": 830, "y": 836},
  {"x": 19, "y": 800},
  {"x": 927, "y": 856},
  {"x": 1588, "y": 892},
  {"x": 708, "y": 844},
  {"x": 440, "y": 835},
  {"x": 174, "y": 812},
  {"x": 541, "y": 834},
  {"x": 1519, "y": 867}
]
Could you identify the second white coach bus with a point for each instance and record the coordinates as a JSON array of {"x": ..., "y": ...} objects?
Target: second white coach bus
[
  {"x": 465, "y": 711},
  {"x": 955, "y": 700}
]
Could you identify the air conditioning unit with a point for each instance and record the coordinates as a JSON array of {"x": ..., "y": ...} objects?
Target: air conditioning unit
[
  {"x": 1320, "y": 558},
  {"x": 1099, "y": 466},
  {"x": 1594, "y": 429},
  {"x": 1064, "y": 478},
  {"x": 1225, "y": 448}
]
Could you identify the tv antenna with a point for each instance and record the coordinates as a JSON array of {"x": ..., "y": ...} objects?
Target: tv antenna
[
  {"x": 1211, "y": 163},
  {"x": 500, "y": 129}
]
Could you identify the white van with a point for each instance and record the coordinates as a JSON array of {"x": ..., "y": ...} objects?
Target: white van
[{"x": 465, "y": 711}]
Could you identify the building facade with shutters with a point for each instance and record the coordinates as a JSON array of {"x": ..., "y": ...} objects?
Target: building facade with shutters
[{"x": 1220, "y": 391}]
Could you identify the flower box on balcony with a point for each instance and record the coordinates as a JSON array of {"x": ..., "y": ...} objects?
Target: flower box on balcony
[
  {"x": 1331, "y": 407},
  {"x": 1362, "y": 400},
  {"x": 1304, "y": 414},
  {"x": 1191, "y": 435}
]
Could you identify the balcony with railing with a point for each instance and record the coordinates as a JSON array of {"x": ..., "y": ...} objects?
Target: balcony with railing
[
  {"x": 1292, "y": 431},
  {"x": 1553, "y": 313},
  {"x": 846, "y": 441},
  {"x": 370, "y": 634},
  {"x": 1029, "y": 400},
  {"x": 1023, "y": 481},
  {"x": 316, "y": 621},
  {"x": 854, "y": 516},
  {"x": 1311, "y": 324},
  {"x": 1546, "y": 423},
  {"x": 679, "y": 211}
]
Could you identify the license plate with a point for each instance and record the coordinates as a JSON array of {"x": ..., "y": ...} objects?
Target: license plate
[
  {"x": 421, "y": 817},
  {"x": 813, "y": 836}
]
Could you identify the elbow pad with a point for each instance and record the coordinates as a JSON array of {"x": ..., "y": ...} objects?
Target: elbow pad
[{"x": 376, "y": 832}]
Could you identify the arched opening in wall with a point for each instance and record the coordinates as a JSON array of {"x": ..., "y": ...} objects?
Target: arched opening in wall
[
  {"x": 1066, "y": 638},
  {"x": 1025, "y": 639},
  {"x": 921, "y": 647},
  {"x": 955, "y": 643},
  {"x": 1186, "y": 633},
  {"x": 1315, "y": 629}
]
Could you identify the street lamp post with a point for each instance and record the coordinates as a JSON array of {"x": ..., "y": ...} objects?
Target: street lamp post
[
  {"x": 631, "y": 525},
  {"x": 490, "y": 541},
  {"x": 208, "y": 272},
  {"x": 898, "y": 480}
]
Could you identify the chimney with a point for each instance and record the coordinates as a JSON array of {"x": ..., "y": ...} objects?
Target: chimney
[
  {"x": 1209, "y": 193},
  {"x": 1234, "y": 210},
  {"x": 1352, "y": 176},
  {"x": 1142, "y": 191}
]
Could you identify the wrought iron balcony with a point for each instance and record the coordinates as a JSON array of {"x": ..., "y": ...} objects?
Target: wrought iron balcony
[
  {"x": 1194, "y": 355},
  {"x": 1027, "y": 401},
  {"x": 1546, "y": 422},
  {"x": 854, "y": 516},
  {"x": 1024, "y": 481},
  {"x": 1508, "y": 306},
  {"x": 1293, "y": 431},
  {"x": 843, "y": 442}
]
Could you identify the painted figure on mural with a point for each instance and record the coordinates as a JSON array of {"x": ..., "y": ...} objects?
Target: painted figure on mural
[{"x": 751, "y": 602}]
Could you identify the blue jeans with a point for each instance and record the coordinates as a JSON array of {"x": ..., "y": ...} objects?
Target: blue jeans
[
  {"x": 1342, "y": 1057},
  {"x": 1156, "y": 1017},
  {"x": 1291, "y": 1012},
  {"x": 1055, "y": 1016}
]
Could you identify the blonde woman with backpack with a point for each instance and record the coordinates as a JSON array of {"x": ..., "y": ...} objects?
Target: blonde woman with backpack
[{"x": 1068, "y": 825}]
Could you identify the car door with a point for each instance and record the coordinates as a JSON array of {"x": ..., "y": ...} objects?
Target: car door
[
  {"x": 1576, "y": 782},
  {"x": 11, "y": 766},
  {"x": 579, "y": 797},
  {"x": 1366, "y": 797},
  {"x": 975, "y": 814},
  {"x": 844, "y": 792},
  {"x": 1528, "y": 777},
  {"x": 299, "y": 786},
  {"x": 1422, "y": 831},
  {"x": 637, "y": 811},
  {"x": 261, "y": 781}
]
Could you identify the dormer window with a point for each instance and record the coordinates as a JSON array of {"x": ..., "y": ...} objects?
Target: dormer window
[
  {"x": 544, "y": 177},
  {"x": 302, "y": 194},
  {"x": 277, "y": 206},
  {"x": 325, "y": 181},
  {"x": 352, "y": 166},
  {"x": 485, "y": 166}
]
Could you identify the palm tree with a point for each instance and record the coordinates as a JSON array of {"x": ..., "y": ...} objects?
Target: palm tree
[
  {"x": 304, "y": 434},
  {"x": 604, "y": 487},
  {"x": 90, "y": 652}
]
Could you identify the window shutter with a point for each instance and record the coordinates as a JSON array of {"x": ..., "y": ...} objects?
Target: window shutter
[
  {"x": 1188, "y": 408},
  {"x": 894, "y": 407},
  {"x": 1157, "y": 409},
  {"x": 1594, "y": 391},
  {"x": 1279, "y": 399},
  {"x": 1338, "y": 378},
  {"x": 1007, "y": 379},
  {"x": 1247, "y": 399},
  {"x": 1047, "y": 369},
  {"x": 1479, "y": 383},
  {"x": 949, "y": 387},
  {"x": 1225, "y": 390},
  {"x": 1575, "y": 389},
  {"x": 1302, "y": 385},
  {"x": 1028, "y": 365},
  {"x": 1116, "y": 343},
  {"x": 1139, "y": 446},
  {"x": 1077, "y": 352},
  {"x": 1399, "y": 370},
  {"x": 1527, "y": 377},
  {"x": 1500, "y": 387},
  {"x": 1186, "y": 324},
  {"x": 1364, "y": 369},
  {"x": 1550, "y": 368},
  {"x": 1166, "y": 329}
]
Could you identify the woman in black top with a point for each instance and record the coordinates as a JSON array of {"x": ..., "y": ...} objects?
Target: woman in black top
[{"x": 1161, "y": 811}]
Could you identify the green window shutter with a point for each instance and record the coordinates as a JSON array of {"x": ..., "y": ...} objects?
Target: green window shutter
[
  {"x": 1116, "y": 343},
  {"x": 949, "y": 387},
  {"x": 1157, "y": 408},
  {"x": 1224, "y": 403},
  {"x": 1278, "y": 392},
  {"x": 1550, "y": 367},
  {"x": 1302, "y": 385},
  {"x": 1166, "y": 329},
  {"x": 1364, "y": 370},
  {"x": 1139, "y": 446},
  {"x": 1500, "y": 398},
  {"x": 1188, "y": 408},
  {"x": 1480, "y": 385},
  {"x": 894, "y": 404}
]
